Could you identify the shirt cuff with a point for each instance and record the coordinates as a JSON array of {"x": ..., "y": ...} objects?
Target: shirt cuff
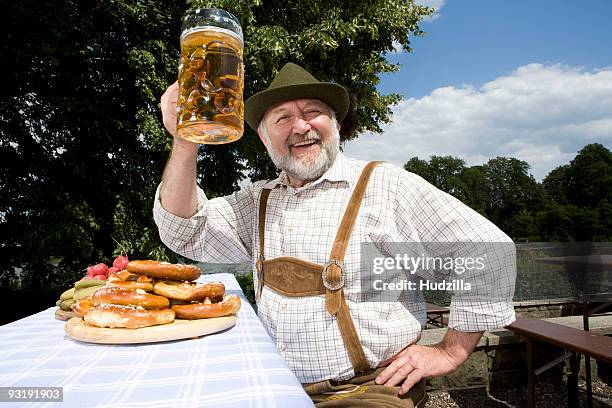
[
  {"x": 173, "y": 229},
  {"x": 473, "y": 316}
]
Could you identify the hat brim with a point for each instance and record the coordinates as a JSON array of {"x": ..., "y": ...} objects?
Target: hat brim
[{"x": 332, "y": 94}]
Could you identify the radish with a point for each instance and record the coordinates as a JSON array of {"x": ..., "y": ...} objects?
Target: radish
[
  {"x": 121, "y": 262},
  {"x": 100, "y": 269},
  {"x": 114, "y": 269}
]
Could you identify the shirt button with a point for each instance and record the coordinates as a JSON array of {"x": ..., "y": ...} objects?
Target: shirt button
[
  {"x": 282, "y": 347},
  {"x": 283, "y": 306}
]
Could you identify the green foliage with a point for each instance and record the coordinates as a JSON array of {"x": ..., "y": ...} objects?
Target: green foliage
[
  {"x": 477, "y": 188},
  {"x": 589, "y": 176},
  {"x": 82, "y": 144},
  {"x": 444, "y": 172},
  {"x": 555, "y": 184},
  {"x": 571, "y": 204},
  {"x": 245, "y": 280},
  {"x": 579, "y": 197},
  {"x": 511, "y": 189}
]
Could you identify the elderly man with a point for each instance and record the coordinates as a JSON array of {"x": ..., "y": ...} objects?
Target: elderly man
[{"x": 302, "y": 232}]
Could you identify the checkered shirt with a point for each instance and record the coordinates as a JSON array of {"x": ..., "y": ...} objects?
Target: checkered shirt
[{"x": 398, "y": 206}]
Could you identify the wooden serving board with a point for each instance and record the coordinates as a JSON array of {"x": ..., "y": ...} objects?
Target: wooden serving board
[
  {"x": 179, "y": 329},
  {"x": 63, "y": 314}
]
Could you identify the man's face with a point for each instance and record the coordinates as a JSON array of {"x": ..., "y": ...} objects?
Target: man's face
[{"x": 301, "y": 137}]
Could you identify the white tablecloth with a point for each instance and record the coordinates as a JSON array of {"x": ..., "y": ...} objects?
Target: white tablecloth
[{"x": 239, "y": 367}]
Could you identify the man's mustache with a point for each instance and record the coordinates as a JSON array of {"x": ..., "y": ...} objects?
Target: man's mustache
[{"x": 312, "y": 135}]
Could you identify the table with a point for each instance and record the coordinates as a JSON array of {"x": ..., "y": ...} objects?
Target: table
[
  {"x": 574, "y": 341},
  {"x": 436, "y": 315},
  {"x": 602, "y": 292},
  {"x": 239, "y": 367}
]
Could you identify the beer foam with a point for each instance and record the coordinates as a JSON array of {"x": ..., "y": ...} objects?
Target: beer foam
[{"x": 211, "y": 29}]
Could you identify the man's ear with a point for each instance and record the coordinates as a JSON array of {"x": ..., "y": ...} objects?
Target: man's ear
[{"x": 261, "y": 136}]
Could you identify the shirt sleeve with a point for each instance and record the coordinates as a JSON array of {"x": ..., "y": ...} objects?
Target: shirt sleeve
[
  {"x": 220, "y": 231},
  {"x": 449, "y": 228}
]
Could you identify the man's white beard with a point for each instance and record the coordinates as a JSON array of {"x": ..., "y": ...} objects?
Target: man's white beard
[{"x": 311, "y": 169}]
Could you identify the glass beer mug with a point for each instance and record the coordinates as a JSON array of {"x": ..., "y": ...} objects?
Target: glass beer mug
[{"x": 210, "y": 106}]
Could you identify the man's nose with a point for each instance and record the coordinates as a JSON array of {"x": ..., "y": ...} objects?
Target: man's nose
[{"x": 301, "y": 126}]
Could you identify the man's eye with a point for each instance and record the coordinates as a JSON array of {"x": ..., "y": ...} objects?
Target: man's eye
[{"x": 282, "y": 119}]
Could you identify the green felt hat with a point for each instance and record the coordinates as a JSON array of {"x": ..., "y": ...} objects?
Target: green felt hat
[{"x": 294, "y": 82}]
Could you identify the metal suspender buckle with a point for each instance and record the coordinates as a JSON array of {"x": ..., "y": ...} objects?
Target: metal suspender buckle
[{"x": 338, "y": 285}]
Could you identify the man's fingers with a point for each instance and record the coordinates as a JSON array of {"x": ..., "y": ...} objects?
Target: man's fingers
[
  {"x": 395, "y": 373},
  {"x": 389, "y": 371},
  {"x": 399, "y": 375},
  {"x": 168, "y": 106},
  {"x": 414, "y": 377},
  {"x": 171, "y": 94}
]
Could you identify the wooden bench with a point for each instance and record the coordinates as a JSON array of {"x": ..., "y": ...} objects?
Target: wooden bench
[
  {"x": 436, "y": 314},
  {"x": 576, "y": 342}
]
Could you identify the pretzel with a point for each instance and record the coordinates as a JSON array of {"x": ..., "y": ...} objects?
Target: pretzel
[
  {"x": 127, "y": 316},
  {"x": 229, "y": 305},
  {"x": 190, "y": 291},
  {"x": 164, "y": 270},
  {"x": 81, "y": 307},
  {"x": 128, "y": 297},
  {"x": 124, "y": 279}
]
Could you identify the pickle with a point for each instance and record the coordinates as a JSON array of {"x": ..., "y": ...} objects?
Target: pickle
[
  {"x": 89, "y": 282},
  {"x": 68, "y": 294},
  {"x": 66, "y": 304},
  {"x": 84, "y": 292}
]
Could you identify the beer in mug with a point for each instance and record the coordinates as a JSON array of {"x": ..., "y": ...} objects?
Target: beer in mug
[{"x": 211, "y": 78}]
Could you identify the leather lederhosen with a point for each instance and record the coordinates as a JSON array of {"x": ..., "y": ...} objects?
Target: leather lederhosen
[{"x": 289, "y": 276}]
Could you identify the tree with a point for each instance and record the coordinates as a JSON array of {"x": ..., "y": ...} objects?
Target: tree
[
  {"x": 589, "y": 176},
  {"x": 477, "y": 188},
  {"x": 571, "y": 204},
  {"x": 512, "y": 189},
  {"x": 582, "y": 192},
  {"x": 420, "y": 167},
  {"x": 554, "y": 222},
  {"x": 82, "y": 144},
  {"x": 444, "y": 172},
  {"x": 555, "y": 184}
]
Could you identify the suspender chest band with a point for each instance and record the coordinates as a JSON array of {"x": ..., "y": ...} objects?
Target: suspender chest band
[{"x": 289, "y": 276}]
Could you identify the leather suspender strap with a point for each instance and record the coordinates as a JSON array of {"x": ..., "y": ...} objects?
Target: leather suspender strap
[
  {"x": 333, "y": 274},
  {"x": 262, "y": 227},
  {"x": 333, "y": 271}
]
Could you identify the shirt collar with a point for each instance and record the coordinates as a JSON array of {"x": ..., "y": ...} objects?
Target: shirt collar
[{"x": 339, "y": 172}]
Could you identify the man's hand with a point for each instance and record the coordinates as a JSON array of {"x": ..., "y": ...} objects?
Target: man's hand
[
  {"x": 168, "y": 108},
  {"x": 417, "y": 362}
]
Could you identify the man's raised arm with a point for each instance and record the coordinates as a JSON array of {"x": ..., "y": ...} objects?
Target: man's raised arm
[{"x": 178, "y": 191}]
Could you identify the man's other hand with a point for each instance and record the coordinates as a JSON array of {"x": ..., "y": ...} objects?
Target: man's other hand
[{"x": 417, "y": 362}]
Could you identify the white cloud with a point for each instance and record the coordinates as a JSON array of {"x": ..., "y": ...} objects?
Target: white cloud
[{"x": 542, "y": 114}]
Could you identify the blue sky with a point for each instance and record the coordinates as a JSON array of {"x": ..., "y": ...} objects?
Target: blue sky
[{"x": 527, "y": 79}]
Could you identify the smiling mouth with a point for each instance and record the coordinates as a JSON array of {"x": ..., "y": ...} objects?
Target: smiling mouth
[{"x": 305, "y": 143}]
